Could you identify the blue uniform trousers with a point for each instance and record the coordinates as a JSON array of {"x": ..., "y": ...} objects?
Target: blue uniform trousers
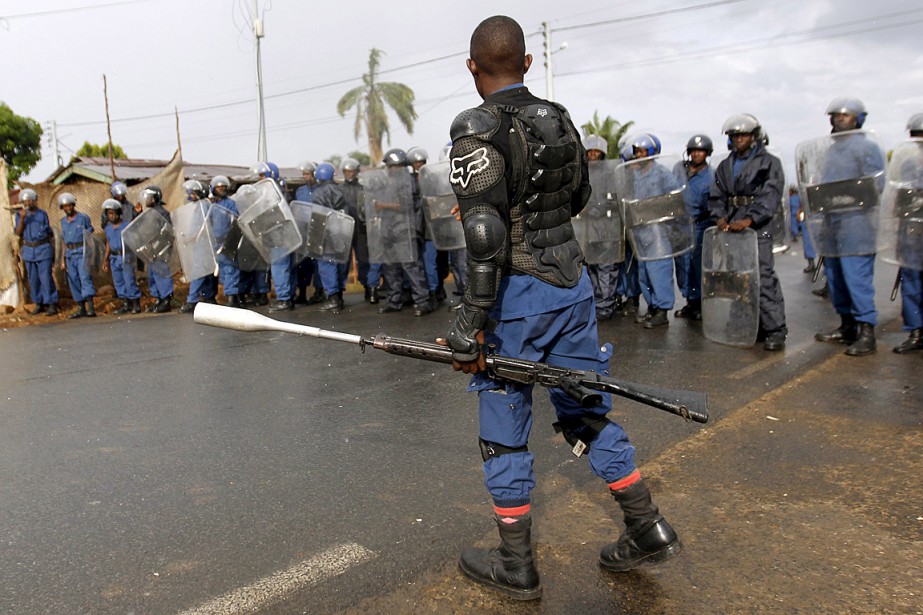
[
  {"x": 123, "y": 278},
  {"x": 656, "y": 280},
  {"x": 284, "y": 277},
  {"x": 429, "y": 265},
  {"x": 565, "y": 337},
  {"x": 689, "y": 267},
  {"x": 204, "y": 288},
  {"x": 42, "y": 288},
  {"x": 79, "y": 279},
  {"x": 333, "y": 276},
  {"x": 628, "y": 285},
  {"x": 229, "y": 274},
  {"x": 605, "y": 280},
  {"x": 912, "y": 298},
  {"x": 850, "y": 280},
  {"x": 159, "y": 280}
]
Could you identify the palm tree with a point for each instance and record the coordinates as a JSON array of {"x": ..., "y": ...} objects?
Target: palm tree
[
  {"x": 370, "y": 100},
  {"x": 609, "y": 129}
]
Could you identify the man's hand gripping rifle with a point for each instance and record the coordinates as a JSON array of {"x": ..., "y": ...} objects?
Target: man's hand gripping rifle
[{"x": 584, "y": 386}]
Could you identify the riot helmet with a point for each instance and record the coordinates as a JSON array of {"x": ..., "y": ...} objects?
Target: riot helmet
[
  {"x": 113, "y": 205},
  {"x": 349, "y": 164},
  {"x": 220, "y": 180},
  {"x": 646, "y": 142},
  {"x": 396, "y": 158},
  {"x": 28, "y": 195},
  {"x": 118, "y": 189},
  {"x": 274, "y": 171},
  {"x": 151, "y": 196},
  {"x": 700, "y": 142},
  {"x": 850, "y": 106},
  {"x": 915, "y": 125},
  {"x": 66, "y": 198},
  {"x": 416, "y": 154},
  {"x": 195, "y": 190},
  {"x": 446, "y": 150},
  {"x": 307, "y": 167},
  {"x": 324, "y": 172},
  {"x": 626, "y": 153},
  {"x": 263, "y": 169},
  {"x": 596, "y": 142},
  {"x": 741, "y": 124}
]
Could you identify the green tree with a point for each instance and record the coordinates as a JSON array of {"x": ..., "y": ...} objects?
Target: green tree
[
  {"x": 100, "y": 151},
  {"x": 609, "y": 129},
  {"x": 363, "y": 158},
  {"x": 371, "y": 100},
  {"x": 20, "y": 143}
]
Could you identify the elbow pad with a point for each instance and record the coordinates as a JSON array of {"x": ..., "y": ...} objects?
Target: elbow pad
[{"x": 486, "y": 239}]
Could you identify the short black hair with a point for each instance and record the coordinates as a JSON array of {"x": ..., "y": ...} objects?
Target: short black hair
[{"x": 498, "y": 46}]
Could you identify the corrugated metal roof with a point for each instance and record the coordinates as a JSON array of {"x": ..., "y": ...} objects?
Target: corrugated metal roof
[{"x": 135, "y": 170}]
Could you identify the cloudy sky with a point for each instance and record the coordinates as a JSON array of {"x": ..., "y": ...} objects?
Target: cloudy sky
[{"x": 673, "y": 67}]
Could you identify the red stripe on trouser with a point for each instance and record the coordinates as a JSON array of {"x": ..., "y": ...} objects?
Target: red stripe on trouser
[
  {"x": 513, "y": 512},
  {"x": 628, "y": 481}
]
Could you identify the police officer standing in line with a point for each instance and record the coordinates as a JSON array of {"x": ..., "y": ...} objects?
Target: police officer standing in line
[
  {"x": 228, "y": 270},
  {"x": 699, "y": 177},
  {"x": 628, "y": 285},
  {"x": 850, "y": 279},
  {"x": 119, "y": 192},
  {"x": 527, "y": 295},
  {"x": 434, "y": 273},
  {"x": 79, "y": 278},
  {"x": 333, "y": 275},
  {"x": 368, "y": 274},
  {"x": 604, "y": 276},
  {"x": 912, "y": 279},
  {"x": 205, "y": 288},
  {"x": 306, "y": 270},
  {"x": 745, "y": 193},
  {"x": 159, "y": 279},
  {"x": 121, "y": 264},
  {"x": 37, "y": 252}
]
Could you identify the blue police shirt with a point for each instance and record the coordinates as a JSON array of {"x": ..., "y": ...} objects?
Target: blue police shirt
[
  {"x": 37, "y": 229},
  {"x": 72, "y": 230}
]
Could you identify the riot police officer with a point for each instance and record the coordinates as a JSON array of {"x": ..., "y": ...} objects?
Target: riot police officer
[
  {"x": 333, "y": 275},
  {"x": 368, "y": 273},
  {"x": 37, "y": 252},
  {"x": 745, "y": 193},
  {"x": 204, "y": 288},
  {"x": 527, "y": 280},
  {"x": 912, "y": 279},
  {"x": 603, "y": 275},
  {"x": 435, "y": 273},
  {"x": 221, "y": 220},
  {"x": 850, "y": 278},
  {"x": 159, "y": 277},
  {"x": 120, "y": 261},
  {"x": 699, "y": 176},
  {"x": 74, "y": 225}
]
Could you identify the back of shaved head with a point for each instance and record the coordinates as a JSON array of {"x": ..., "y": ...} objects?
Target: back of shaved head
[{"x": 498, "y": 46}]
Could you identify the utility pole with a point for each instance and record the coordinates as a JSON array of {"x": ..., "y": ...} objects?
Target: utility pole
[
  {"x": 259, "y": 33},
  {"x": 53, "y": 142},
  {"x": 109, "y": 130},
  {"x": 549, "y": 72}
]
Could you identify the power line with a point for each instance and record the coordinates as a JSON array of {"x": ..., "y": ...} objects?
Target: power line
[
  {"x": 685, "y": 9},
  {"x": 74, "y": 9}
]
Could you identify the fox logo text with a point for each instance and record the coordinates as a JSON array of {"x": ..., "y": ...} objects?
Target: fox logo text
[{"x": 464, "y": 168}]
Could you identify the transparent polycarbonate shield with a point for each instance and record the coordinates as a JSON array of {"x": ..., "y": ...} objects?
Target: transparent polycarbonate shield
[
  {"x": 302, "y": 211},
  {"x": 266, "y": 220},
  {"x": 901, "y": 230},
  {"x": 194, "y": 242},
  {"x": 58, "y": 251},
  {"x": 224, "y": 231},
  {"x": 599, "y": 228},
  {"x": 840, "y": 178},
  {"x": 249, "y": 258},
  {"x": 389, "y": 216},
  {"x": 439, "y": 200},
  {"x": 651, "y": 194},
  {"x": 781, "y": 225},
  {"x": 94, "y": 250},
  {"x": 150, "y": 236},
  {"x": 730, "y": 287},
  {"x": 328, "y": 233}
]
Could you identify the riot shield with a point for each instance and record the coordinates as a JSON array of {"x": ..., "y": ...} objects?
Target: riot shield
[
  {"x": 439, "y": 200},
  {"x": 901, "y": 231},
  {"x": 193, "y": 240},
  {"x": 840, "y": 177},
  {"x": 327, "y": 233},
  {"x": 730, "y": 287},
  {"x": 651, "y": 195},
  {"x": 151, "y": 239},
  {"x": 93, "y": 252},
  {"x": 266, "y": 220},
  {"x": 389, "y": 216},
  {"x": 599, "y": 227},
  {"x": 224, "y": 231},
  {"x": 248, "y": 257},
  {"x": 781, "y": 225}
]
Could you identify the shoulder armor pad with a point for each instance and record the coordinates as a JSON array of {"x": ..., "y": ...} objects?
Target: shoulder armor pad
[{"x": 479, "y": 121}]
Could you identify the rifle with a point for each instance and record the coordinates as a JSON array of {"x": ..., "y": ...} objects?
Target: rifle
[{"x": 583, "y": 386}]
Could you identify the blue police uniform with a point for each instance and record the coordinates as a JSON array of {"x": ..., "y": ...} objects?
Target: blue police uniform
[
  {"x": 689, "y": 265},
  {"x": 850, "y": 279},
  {"x": 159, "y": 278},
  {"x": 332, "y": 275},
  {"x": 79, "y": 278},
  {"x": 654, "y": 276},
  {"x": 121, "y": 263},
  {"x": 37, "y": 253},
  {"x": 204, "y": 288},
  {"x": 228, "y": 271}
]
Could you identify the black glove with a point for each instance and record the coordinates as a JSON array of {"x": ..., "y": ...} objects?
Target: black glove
[{"x": 461, "y": 336}]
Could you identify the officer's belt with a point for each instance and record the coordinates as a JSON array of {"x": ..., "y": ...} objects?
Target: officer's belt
[
  {"x": 35, "y": 244},
  {"x": 741, "y": 201},
  {"x": 73, "y": 246}
]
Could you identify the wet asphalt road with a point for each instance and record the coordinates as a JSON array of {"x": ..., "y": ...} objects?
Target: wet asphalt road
[{"x": 151, "y": 465}]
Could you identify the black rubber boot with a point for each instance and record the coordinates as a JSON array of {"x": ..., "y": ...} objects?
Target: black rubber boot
[
  {"x": 136, "y": 306},
  {"x": 374, "y": 295},
  {"x": 233, "y": 301},
  {"x": 81, "y": 311},
  {"x": 811, "y": 266},
  {"x": 38, "y": 309},
  {"x": 912, "y": 343},
  {"x": 692, "y": 310},
  {"x": 865, "y": 342},
  {"x": 91, "y": 309},
  {"x": 647, "y": 538},
  {"x": 186, "y": 308},
  {"x": 318, "y": 296},
  {"x": 280, "y": 305},
  {"x": 658, "y": 318},
  {"x": 846, "y": 333},
  {"x": 124, "y": 308},
  {"x": 164, "y": 306},
  {"x": 509, "y": 568},
  {"x": 52, "y": 309},
  {"x": 261, "y": 299},
  {"x": 427, "y": 307},
  {"x": 631, "y": 306},
  {"x": 334, "y": 303},
  {"x": 150, "y": 309}
]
